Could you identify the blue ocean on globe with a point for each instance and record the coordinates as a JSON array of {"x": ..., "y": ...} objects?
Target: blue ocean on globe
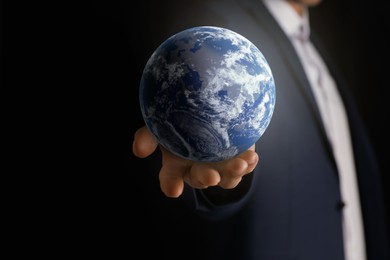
[{"x": 207, "y": 94}]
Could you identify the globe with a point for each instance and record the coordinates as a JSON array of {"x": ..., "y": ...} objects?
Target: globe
[{"x": 207, "y": 94}]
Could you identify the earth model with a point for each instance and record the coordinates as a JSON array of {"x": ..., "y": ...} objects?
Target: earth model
[{"x": 207, "y": 94}]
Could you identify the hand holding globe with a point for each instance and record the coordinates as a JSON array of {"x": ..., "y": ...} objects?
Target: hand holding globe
[
  {"x": 176, "y": 170},
  {"x": 207, "y": 95}
]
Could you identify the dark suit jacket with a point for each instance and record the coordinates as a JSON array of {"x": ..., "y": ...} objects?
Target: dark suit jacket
[{"x": 290, "y": 207}]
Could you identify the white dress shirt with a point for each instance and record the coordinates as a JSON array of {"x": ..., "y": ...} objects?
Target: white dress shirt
[{"x": 333, "y": 114}]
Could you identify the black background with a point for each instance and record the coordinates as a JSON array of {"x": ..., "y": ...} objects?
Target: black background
[{"x": 69, "y": 79}]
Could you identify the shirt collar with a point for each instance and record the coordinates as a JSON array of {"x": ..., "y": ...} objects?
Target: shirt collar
[{"x": 290, "y": 22}]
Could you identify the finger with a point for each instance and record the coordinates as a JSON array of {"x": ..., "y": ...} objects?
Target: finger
[
  {"x": 203, "y": 175},
  {"x": 171, "y": 181},
  {"x": 172, "y": 173},
  {"x": 236, "y": 167},
  {"x": 144, "y": 143},
  {"x": 232, "y": 173},
  {"x": 252, "y": 159}
]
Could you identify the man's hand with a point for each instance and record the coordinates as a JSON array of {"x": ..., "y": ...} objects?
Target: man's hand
[{"x": 176, "y": 170}]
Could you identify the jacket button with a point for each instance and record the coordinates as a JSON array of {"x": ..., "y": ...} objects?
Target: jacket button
[{"x": 340, "y": 205}]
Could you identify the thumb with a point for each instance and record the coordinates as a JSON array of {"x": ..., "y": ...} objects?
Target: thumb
[{"x": 144, "y": 143}]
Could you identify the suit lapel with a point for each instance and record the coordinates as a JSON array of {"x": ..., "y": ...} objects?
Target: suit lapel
[{"x": 259, "y": 12}]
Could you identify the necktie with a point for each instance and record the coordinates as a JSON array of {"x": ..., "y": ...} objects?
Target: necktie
[
  {"x": 303, "y": 38},
  {"x": 315, "y": 73}
]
